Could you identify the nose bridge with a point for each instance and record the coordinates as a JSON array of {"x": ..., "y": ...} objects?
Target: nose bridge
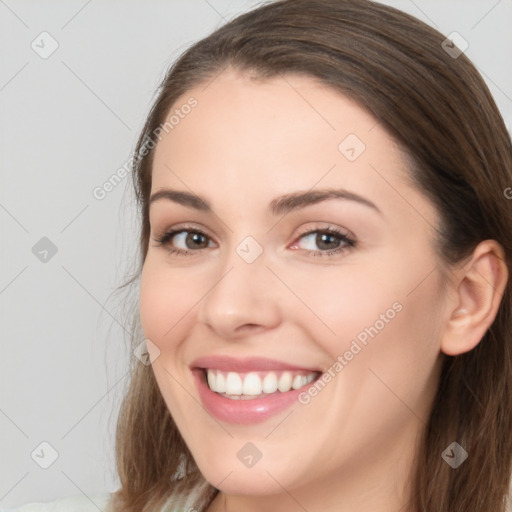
[{"x": 242, "y": 292}]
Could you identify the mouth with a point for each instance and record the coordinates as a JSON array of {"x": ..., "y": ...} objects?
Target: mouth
[
  {"x": 253, "y": 385},
  {"x": 250, "y": 390}
]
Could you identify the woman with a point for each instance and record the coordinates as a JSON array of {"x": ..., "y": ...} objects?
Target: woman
[
  {"x": 324, "y": 292},
  {"x": 256, "y": 273}
]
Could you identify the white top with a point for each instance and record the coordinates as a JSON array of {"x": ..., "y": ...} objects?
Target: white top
[
  {"x": 80, "y": 503},
  {"x": 93, "y": 503}
]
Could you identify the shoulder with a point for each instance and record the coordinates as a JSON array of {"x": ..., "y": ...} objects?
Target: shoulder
[{"x": 81, "y": 503}]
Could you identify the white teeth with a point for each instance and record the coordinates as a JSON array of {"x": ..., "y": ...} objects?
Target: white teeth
[
  {"x": 285, "y": 382},
  {"x": 212, "y": 380},
  {"x": 220, "y": 383},
  {"x": 254, "y": 384},
  {"x": 233, "y": 384},
  {"x": 270, "y": 383},
  {"x": 299, "y": 381}
]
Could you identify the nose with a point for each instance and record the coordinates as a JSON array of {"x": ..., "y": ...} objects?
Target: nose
[{"x": 242, "y": 300}]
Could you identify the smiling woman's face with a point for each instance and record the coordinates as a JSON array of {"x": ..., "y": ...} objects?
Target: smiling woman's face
[{"x": 265, "y": 294}]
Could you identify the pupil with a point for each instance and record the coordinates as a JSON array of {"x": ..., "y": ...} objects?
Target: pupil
[
  {"x": 195, "y": 238},
  {"x": 321, "y": 238}
]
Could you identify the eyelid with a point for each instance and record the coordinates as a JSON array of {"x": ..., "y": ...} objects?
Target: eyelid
[
  {"x": 327, "y": 227},
  {"x": 183, "y": 227},
  {"x": 168, "y": 234},
  {"x": 347, "y": 239}
]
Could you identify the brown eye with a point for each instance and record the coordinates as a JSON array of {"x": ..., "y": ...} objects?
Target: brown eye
[
  {"x": 324, "y": 242},
  {"x": 189, "y": 240},
  {"x": 194, "y": 240}
]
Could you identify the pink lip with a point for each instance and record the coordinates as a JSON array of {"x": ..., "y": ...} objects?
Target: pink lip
[
  {"x": 253, "y": 364},
  {"x": 243, "y": 411}
]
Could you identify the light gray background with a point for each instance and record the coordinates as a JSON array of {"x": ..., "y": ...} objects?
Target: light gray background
[{"x": 67, "y": 124}]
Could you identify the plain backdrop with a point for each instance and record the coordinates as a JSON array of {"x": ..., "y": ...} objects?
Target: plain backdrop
[{"x": 69, "y": 121}]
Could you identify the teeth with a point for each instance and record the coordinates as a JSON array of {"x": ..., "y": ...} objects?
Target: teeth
[
  {"x": 254, "y": 384},
  {"x": 299, "y": 381},
  {"x": 212, "y": 380},
  {"x": 285, "y": 382},
  {"x": 270, "y": 383},
  {"x": 220, "y": 383},
  {"x": 233, "y": 384}
]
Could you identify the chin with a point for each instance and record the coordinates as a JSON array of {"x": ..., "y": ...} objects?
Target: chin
[{"x": 250, "y": 482}]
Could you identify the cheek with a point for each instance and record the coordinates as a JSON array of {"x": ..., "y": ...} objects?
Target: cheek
[
  {"x": 166, "y": 300},
  {"x": 337, "y": 304},
  {"x": 394, "y": 375},
  {"x": 393, "y": 300},
  {"x": 383, "y": 328}
]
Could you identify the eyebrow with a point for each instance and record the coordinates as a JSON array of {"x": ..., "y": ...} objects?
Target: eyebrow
[{"x": 280, "y": 205}]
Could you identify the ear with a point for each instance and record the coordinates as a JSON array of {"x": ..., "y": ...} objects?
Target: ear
[{"x": 480, "y": 285}]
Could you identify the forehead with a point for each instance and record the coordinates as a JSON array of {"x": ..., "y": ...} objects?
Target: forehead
[
  {"x": 275, "y": 111},
  {"x": 277, "y": 135}
]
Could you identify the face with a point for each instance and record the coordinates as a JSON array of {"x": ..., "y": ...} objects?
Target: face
[{"x": 296, "y": 256}]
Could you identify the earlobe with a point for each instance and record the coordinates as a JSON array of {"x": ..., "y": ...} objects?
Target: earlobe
[{"x": 481, "y": 284}]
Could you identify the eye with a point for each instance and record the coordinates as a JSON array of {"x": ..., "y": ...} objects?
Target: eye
[
  {"x": 329, "y": 241},
  {"x": 189, "y": 238}
]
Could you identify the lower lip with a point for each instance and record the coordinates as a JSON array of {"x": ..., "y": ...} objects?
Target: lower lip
[{"x": 245, "y": 412}]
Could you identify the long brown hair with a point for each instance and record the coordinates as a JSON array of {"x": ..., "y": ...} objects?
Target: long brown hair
[{"x": 440, "y": 111}]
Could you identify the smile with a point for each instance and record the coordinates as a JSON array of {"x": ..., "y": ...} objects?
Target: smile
[
  {"x": 248, "y": 386},
  {"x": 246, "y": 391}
]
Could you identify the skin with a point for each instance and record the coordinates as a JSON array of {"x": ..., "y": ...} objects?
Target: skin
[{"x": 352, "y": 446}]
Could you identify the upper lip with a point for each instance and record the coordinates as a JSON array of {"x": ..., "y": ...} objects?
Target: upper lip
[{"x": 227, "y": 363}]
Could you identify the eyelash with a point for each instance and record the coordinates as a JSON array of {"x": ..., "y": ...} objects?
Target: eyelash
[{"x": 348, "y": 242}]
